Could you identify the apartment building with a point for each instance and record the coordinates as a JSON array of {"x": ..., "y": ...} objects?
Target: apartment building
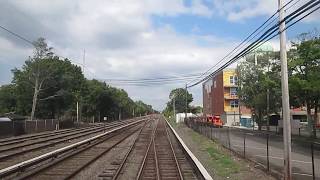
[{"x": 220, "y": 97}]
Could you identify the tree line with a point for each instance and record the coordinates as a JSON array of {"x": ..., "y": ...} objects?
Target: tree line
[
  {"x": 260, "y": 80},
  {"x": 48, "y": 87}
]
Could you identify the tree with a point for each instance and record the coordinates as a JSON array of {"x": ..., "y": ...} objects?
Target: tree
[
  {"x": 142, "y": 108},
  {"x": 178, "y": 97},
  {"x": 102, "y": 100},
  {"x": 36, "y": 71},
  {"x": 47, "y": 82},
  {"x": 196, "y": 109},
  {"x": 259, "y": 78},
  {"x": 8, "y": 99},
  {"x": 304, "y": 79}
]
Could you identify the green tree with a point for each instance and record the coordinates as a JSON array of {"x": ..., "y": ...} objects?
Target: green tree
[
  {"x": 178, "y": 97},
  {"x": 304, "y": 80},
  {"x": 8, "y": 99},
  {"x": 142, "y": 108},
  {"x": 259, "y": 78},
  {"x": 47, "y": 82}
]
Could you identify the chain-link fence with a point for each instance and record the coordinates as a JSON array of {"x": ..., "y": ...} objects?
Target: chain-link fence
[{"x": 265, "y": 149}]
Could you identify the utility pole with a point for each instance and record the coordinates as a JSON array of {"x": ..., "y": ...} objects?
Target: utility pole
[
  {"x": 268, "y": 98},
  {"x": 77, "y": 111},
  {"x": 285, "y": 96},
  {"x": 174, "y": 107},
  {"x": 185, "y": 115},
  {"x": 239, "y": 88},
  {"x": 84, "y": 60}
]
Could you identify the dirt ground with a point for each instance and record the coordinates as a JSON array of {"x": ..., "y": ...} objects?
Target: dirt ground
[{"x": 219, "y": 162}]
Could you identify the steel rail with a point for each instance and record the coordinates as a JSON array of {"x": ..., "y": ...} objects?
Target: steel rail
[
  {"x": 66, "y": 134},
  {"x": 23, "y": 165},
  {"x": 78, "y": 151},
  {"x": 116, "y": 175},
  {"x": 22, "y": 138},
  {"x": 174, "y": 154},
  {"x": 36, "y": 136},
  {"x": 74, "y": 136},
  {"x": 147, "y": 152},
  {"x": 204, "y": 173},
  {"x": 101, "y": 154}
]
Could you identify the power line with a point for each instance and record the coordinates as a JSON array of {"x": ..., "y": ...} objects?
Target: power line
[
  {"x": 17, "y": 35},
  {"x": 31, "y": 43},
  {"x": 167, "y": 79},
  {"x": 246, "y": 40},
  {"x": 304, "y": 8}
]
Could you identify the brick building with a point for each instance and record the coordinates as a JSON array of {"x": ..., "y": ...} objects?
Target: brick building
[{"x": 220, "y": 97}]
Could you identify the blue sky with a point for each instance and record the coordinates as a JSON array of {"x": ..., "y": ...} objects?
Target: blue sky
[{"x": 137, "y": 38}]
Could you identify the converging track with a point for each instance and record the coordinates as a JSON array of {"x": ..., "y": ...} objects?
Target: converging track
[{"x": 142, "y": 148}]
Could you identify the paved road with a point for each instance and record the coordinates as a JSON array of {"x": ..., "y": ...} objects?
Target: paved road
[{"x": 256, "y": 149}]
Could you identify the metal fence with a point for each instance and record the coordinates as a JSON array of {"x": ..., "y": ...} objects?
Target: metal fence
[
  {"x": 40, "y": 125},
  {"x": 266, "y": 149}
]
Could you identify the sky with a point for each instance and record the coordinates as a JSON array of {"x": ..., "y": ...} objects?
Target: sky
[{"x": 133, "y": 39}]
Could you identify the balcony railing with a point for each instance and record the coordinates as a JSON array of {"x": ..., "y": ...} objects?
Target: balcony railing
[{"x": 228, "y": 96}]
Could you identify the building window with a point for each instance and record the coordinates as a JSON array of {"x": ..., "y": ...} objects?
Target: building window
[
  {"x": 233, "y": 91},
  {"x": 233, "y": 80},
  {"x": 214, "y": 84},
  {"x": 234, "y": 103}
]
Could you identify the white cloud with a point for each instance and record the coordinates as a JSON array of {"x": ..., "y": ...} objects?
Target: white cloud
[
  {"x": 237, "y": 10},
  {"x": 119, "y": 39}
]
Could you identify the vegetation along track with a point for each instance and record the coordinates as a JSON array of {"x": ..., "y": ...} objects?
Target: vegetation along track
[
  {"x": 66, "y": 162},
  {"x": 18, "y": 152}
]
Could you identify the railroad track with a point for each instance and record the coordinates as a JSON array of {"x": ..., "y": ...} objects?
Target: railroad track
[
  {"x": 154, "y": 154},
  {"x": 24, "y": 138},
  {"x": 15, "y": 153},
  {"x": 142, "y": 149},
  {"x": 66, "y": 162},
  {"x": 160, "y": 161}
]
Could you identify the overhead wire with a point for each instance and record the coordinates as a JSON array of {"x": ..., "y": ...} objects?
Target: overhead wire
[
  {"x": 270, "y": 32},
  {"x": 248, "y": 38}
]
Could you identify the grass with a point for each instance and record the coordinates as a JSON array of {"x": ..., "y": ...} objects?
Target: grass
[
  {"x": 172, "y": 122},
  {"x": 220, "y": 160}
]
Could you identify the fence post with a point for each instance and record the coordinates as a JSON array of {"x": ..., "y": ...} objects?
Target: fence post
[
  {"x": 25, "y": 126},
  {"x": 207, "y": 131},
  {"x": 299, "y": 132},
  {"x": 211, "y": 132},
  {"x": 36, "y": 125},
  {"x": 45, "y": 125},
  {"x": 312, "y": 160},
  {"x": 244, "y": 145},
  {"x": 268, "y": 166},
  {"x": 229, "y": 138}
]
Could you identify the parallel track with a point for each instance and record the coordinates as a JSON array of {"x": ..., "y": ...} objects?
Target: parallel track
[
  {"x": 20, "y": 152},
  {"x": 68, "y": 164}
]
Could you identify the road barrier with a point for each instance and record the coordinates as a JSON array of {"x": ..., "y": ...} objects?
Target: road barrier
[{"x": 265, "y": 149}]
